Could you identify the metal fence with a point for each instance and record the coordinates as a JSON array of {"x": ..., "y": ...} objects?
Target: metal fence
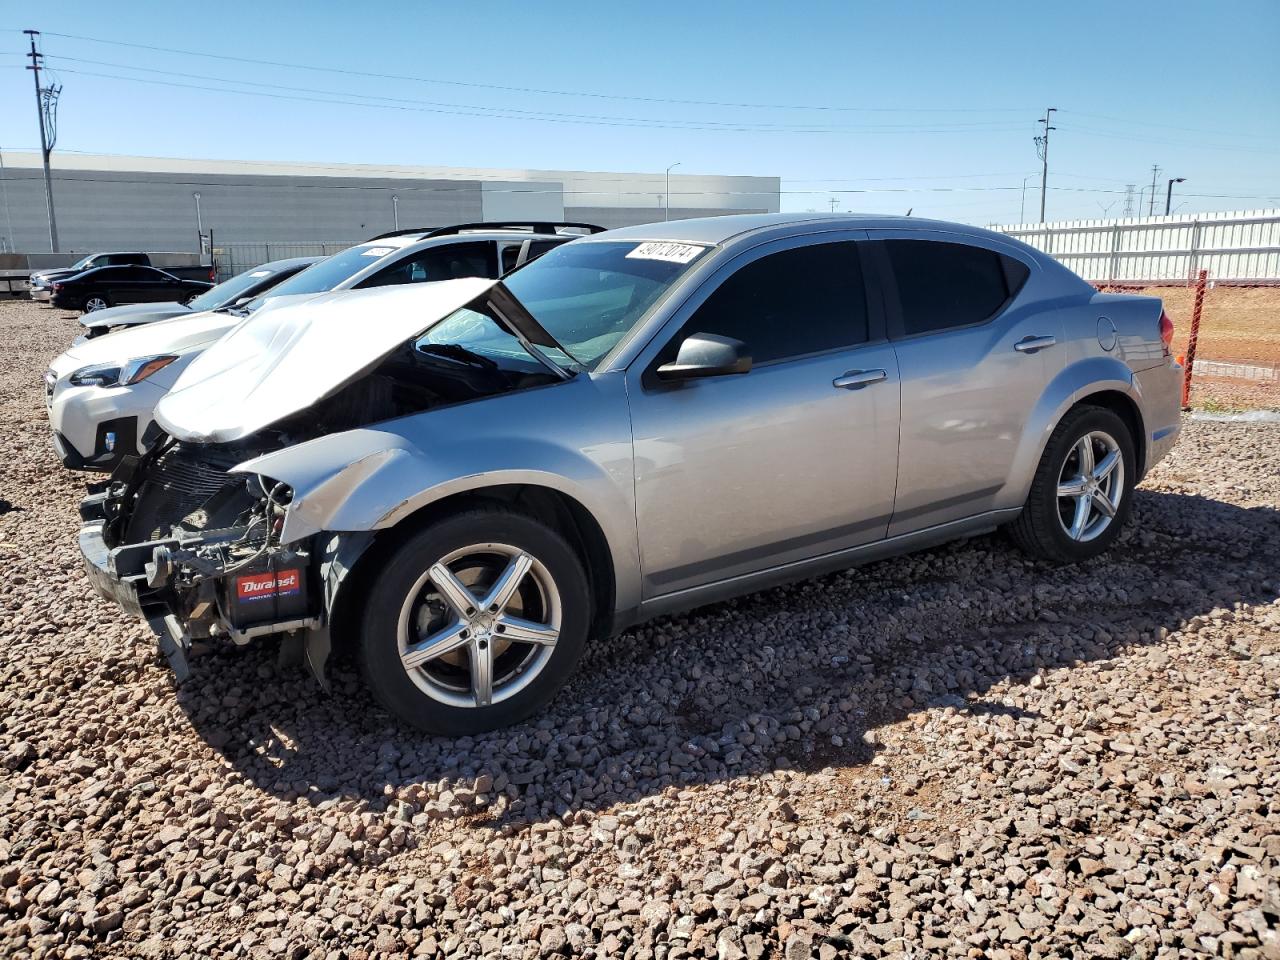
[
  {"x": 233, "y": 258},
  {"x": 1242, "y": 247}
]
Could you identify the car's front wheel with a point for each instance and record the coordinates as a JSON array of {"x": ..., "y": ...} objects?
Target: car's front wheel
[
  {"x": 475, "y": 622},
  {"x": 1080, "y": 497},
  {"x": 95, "y": 302}
]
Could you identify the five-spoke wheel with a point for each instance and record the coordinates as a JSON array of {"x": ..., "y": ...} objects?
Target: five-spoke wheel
[
  {"x": 479, "y": 625},
  {"x": 475, "y": 621},
  {"x": 1090, "y": 485},
  {"x": 1080, "y": 495}
]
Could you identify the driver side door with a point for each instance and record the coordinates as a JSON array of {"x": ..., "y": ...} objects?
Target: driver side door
[{"x": 795, "y": 459}]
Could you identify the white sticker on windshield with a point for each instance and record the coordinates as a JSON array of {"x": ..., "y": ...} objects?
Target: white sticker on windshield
[
  {"x": 378, "y": 251},
  {"x": 260, "y": 273},
  {"x": 665, "y": 250}
]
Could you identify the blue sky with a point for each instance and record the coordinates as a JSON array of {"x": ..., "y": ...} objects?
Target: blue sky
[{"x": 926, "y": 105}]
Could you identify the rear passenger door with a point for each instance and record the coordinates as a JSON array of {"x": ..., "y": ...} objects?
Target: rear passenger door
[
  {"x": 148, "y": 285},
  {"x": 974, "y": 355}
]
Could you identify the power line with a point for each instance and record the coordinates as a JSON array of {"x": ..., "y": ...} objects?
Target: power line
[
  {"x": 522, "y": 89},
  {"x": 491, "y": 113},
  {"x": 532, "y": 114}
]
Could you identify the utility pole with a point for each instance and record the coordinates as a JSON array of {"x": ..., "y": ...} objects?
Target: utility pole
[
  {"x": 1128, "y": 199},
  {"x": 1042, "y": 147},
  {"x": 1151, "y": 201},
  {"x": 46, "y": 110}
]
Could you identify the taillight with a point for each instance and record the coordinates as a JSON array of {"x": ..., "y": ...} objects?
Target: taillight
[
  {"x": 212, "y": 276},
  {"x": 1166, "y": 332}
]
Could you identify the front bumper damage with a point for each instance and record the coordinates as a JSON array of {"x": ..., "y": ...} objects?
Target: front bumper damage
[{"x": 190, "y": 587}]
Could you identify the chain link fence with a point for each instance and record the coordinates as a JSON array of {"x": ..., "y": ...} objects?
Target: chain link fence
[{"x": 233, "y": 258}]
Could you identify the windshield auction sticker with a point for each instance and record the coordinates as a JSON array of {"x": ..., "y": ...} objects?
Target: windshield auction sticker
[
  {"x": 664, "y": 250},
  {"x": 377, "y": 251}
]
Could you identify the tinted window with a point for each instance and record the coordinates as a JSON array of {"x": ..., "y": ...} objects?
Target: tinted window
[
  {"x": 943, "y": 285},
  {"x": 447, "y": 262},
  {"x": 789, "y": 304},
  {"x": 106, "y": 274},
  {"x": 119, "y": 258}
]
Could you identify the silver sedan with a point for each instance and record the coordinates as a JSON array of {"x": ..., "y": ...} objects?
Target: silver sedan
[{"x": 474, "y": 480}]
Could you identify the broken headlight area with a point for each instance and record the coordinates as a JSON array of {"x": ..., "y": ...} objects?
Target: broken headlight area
[{"x": 219, "y": 569}]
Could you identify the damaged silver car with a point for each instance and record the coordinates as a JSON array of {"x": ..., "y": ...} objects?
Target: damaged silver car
[{"x": 465, "y": 481}]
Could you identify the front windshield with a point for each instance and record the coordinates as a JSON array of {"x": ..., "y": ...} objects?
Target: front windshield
[
  {"x": 327, "y": 274},
  {"x": 588, "y": 294},
  {"x": 229, "y": 291}
]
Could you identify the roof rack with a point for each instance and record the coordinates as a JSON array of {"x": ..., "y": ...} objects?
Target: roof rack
[{"x": 533, "y": 226}]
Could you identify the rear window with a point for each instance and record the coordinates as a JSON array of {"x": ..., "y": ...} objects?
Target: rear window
[{"x": 946, "y": 285}]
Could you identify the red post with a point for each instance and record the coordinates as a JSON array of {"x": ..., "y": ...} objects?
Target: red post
[{"x": 1194, "y": 335}]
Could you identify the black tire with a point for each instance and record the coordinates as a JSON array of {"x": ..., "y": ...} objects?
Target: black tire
[
  {"x": 379, "y": 654},
  {"x": 1039, "y": 531}
]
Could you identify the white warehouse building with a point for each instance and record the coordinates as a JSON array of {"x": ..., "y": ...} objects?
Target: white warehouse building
[{"x": 108, "y": 202}]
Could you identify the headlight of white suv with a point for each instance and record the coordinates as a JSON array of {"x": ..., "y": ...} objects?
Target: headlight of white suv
[{"x": 121, "y": 374}]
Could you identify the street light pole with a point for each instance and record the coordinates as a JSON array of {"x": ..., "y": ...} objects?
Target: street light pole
[
  {"x": 666, "y": 203},
  {"x": 1022, "y": 213},
  {"x": 395, "y": 210},
  {"x": 1168, "y": 194},
  {"x": 199, "y": 223}
]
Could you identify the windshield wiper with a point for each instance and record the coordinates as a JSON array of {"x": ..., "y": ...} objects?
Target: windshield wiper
[
  {"x": 232, "y": 309},
  {"x": 455, "y": 351}
]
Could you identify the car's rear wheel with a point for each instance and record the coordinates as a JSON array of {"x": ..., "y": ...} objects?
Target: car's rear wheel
[
  {"x": 475, "y": 622},
  {"x": 95, "y": 302},
  {"x": 1082, "y": 491}
]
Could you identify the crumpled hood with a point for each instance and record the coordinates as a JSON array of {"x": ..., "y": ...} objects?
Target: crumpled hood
[
  {"x": 280, "y": 361},
  {"x": 175, "y": 335},
  {"x": 134, "y": 313}
]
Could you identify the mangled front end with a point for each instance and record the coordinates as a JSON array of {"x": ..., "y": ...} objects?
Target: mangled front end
[
  {"x": 221, "y": 571},
  {"x": 202, "y": 543}
]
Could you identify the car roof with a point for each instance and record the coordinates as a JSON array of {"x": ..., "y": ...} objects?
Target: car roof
[{"x": 719, "y": 230}]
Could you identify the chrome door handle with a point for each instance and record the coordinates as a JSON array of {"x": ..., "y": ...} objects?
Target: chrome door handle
[
  {"x": 1032, "y": 344},
  {"x": 857, "y": 379}
]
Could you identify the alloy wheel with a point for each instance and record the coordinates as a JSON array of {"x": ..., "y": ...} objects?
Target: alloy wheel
[
  {"x": 94, "y": 303},
  {"x": 1090, "y": 485},
  {"x": 479, "y": 625}
]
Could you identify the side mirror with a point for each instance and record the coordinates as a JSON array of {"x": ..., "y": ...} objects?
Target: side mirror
[{"x": 706, "y": 355}]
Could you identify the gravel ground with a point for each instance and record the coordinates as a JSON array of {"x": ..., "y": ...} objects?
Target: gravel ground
[{"x": 957, "y": 753}]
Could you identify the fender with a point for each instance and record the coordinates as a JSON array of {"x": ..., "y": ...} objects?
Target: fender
[
  {"x": 1072, "y": 384},
  {"x": 372, "y": 478}
]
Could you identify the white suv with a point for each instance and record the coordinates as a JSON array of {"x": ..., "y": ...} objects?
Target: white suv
[{"x": 101, "y": 393}]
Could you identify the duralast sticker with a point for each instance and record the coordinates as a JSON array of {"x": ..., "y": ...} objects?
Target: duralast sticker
[
  {"x": 665, "y": 250},
  {"x": 265, "y": 586}
]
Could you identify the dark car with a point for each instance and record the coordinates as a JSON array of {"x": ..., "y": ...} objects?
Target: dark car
[
  {"x": 104, "y": 287},
  {"x": 42, "y": 280},
  {"x": 239, "y": 289}
]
